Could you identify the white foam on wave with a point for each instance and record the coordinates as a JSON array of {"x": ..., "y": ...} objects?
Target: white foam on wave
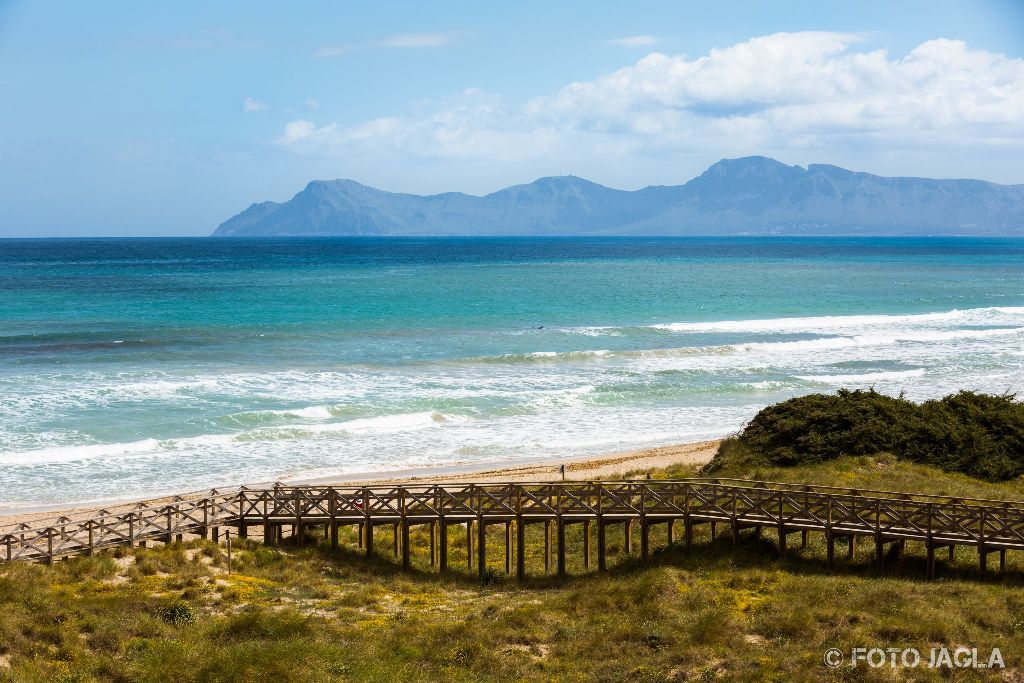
[
  {"x": 897, "y": 337},
  {"x": 861, "y": 378},
  {"x": 382, "y": 425},
  {"x": 973, "y": 316}
]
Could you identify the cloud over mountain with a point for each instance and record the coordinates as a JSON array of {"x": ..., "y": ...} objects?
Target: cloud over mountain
[{"x": 783, "y": 91}]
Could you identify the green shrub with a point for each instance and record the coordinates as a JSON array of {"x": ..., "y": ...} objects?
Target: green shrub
[
  {"x": 177, "y": 613},
  {"x": 977, "y": 434}
]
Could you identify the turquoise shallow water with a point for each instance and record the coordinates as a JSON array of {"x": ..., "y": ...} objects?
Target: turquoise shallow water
[{"x": 131, "y": 367}]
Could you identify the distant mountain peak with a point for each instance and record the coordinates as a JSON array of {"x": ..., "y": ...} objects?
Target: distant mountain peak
[{"x": 746, "y": 195}]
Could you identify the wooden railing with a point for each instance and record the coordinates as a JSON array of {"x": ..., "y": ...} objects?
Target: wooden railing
[{"x": 840, "y": 514}]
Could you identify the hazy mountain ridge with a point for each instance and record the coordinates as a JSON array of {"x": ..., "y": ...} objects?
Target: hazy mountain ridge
[{"x": 751, "y": 195}]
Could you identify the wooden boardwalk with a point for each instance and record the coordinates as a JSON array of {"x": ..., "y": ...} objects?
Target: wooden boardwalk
[{"x": 841, "y": 515}]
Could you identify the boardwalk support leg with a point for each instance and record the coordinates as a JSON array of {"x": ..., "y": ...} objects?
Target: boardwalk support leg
[
  {"x": 560, "y": 529},
  {"x": 368, "y": 538},
  {"x": 481, "y": 546},
  {"x": 602, "y": 557},
  {"x": 508, "y": 548},
  {"x": 406, "y": 562},
  {"x": 520, "y": 549},
  {"x": 442, "y": 546}
]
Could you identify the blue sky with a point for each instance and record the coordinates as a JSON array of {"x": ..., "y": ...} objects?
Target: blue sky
[{"x": 147, "y": 118}]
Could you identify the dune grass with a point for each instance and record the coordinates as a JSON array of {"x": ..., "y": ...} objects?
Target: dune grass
[{"x": 315, "y": 614}]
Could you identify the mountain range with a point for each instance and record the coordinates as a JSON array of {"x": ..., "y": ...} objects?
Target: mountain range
[{"x": 746, "y": 196}]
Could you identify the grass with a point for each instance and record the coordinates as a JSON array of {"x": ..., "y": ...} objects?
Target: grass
[{"x": 312, "y": 614}]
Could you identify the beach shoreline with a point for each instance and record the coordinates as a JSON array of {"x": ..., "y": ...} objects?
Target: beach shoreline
[{"x": 576, "y": 468}]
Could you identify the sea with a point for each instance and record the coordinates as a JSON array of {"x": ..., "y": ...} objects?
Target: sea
[{"x": 137, "y": 367}]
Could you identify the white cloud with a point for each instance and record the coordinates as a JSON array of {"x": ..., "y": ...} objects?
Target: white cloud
[
  {"x": 635, "y": 41},
  {"x": 251, "y": 104},
  {"x": 332, "y": 51},
  {"x": 777, "y": 93},
  {"x": 418, "y": 40}
]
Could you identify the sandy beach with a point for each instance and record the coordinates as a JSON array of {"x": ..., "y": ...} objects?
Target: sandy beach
[{"x": 592, "y": 467}]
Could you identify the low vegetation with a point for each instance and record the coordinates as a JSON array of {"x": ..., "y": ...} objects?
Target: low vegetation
[{"x": 976, "y": 434}]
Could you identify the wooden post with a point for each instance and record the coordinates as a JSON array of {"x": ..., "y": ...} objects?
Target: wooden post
[
  {"x": 405, "y": 544},
  {"x": 803, "y": 538},
  {"x": 627, "y": 531},
  {"x": 852, "y": 550},
  {"x": 394, "y": 534},
  {"x": 735, "y": 520},
  {"x": 169, "y": 538},
  {"x": 368, "y": 540},
  {"x": 204, "y": 532},
  {"x": 442, "y": 545},
  {"x": 520, "y": 549},
  {"x": 560, "y": 526},
  {"x": 333, "y": 510},
  {"x": 92, "y": 543},
  {"x": 508, "y": 548},
  {"x": 879, "y": 551},
  {"x": 469, "y": 545},
  {"x": 782, "y": 526},
  {"x": 586, "y": 544},
  {"x": 930, "y": 546},
  {"x": 481, "y": 546},
  {"x": 300, "y": 532},
  {"x": 520, "y": 536},
  {"x": 602, "y": 557},
  {"x": 982, "y": 554},
  {"x": 671, "y": 531},
  {"x": 830, "y": 540},
  {"x": 1002, "y": 560},
  {"x": 714, "y": 530},
  {"x": 361, "y": 534},
  {"x": 433, "y": 544},
  {"x": 268, "y": 533},
  {"x": 49, "y": 546}
]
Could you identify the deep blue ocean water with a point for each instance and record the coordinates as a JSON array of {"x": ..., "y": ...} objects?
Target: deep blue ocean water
[{"x": 132, "y": 367}]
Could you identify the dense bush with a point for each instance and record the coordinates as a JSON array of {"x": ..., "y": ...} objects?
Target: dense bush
[{"x": 977, "y": 434}]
